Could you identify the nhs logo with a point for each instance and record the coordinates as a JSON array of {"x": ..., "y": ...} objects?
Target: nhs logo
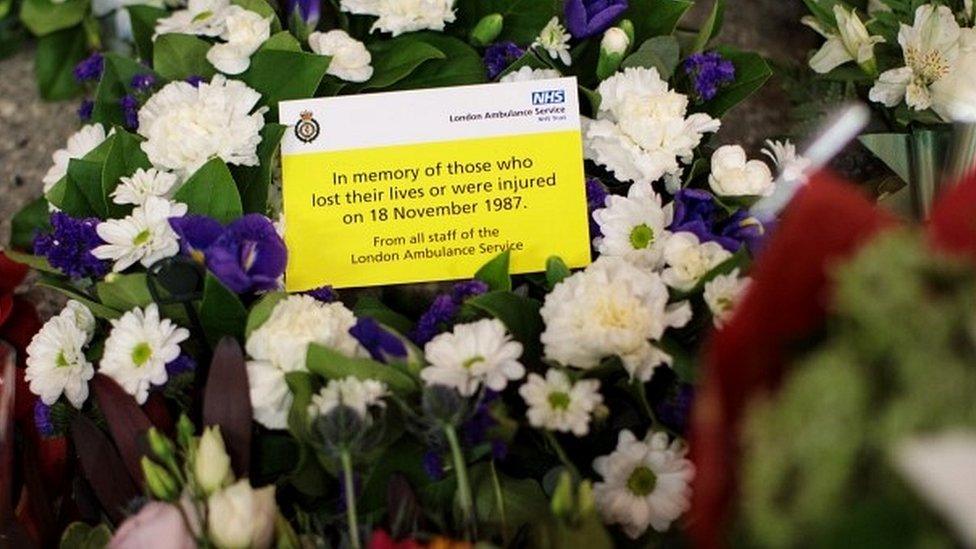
[{"x": 548, "y": 97}]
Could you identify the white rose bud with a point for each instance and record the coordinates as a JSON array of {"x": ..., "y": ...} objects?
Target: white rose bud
[
  {"x": 240, "y": 516},
  {"x": 734, "y": 175},
  {"x": 350, "y": 58},
  {"x": 613, "y": 47},
  {"x": 211, "y": 466}
]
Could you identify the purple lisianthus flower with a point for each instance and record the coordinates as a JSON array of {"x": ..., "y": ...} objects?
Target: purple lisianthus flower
[
  {"x": 130, "y": 111},
  {"x": 68, "y": 246},
  {"x": 196, "y": 233},
  {"x": 695, "y": 211},
  {"x": 325, "y": 294},
  {"x": 381, "y": 344},
  {"x": 741, "y": 229},
  {"x": 596, "y": 198},
  {"x": 85, "y": 110},
  {"x": 499, "y": 56},
  {"x": 709, "y": 71},
  {"x": 180, "y": 365},
  {"x": 308, "y": 10},
  {"x": 585, "y": 18},
  {"x": 143, "y": 82},
  {"x": 249, "y": 255},
  {"x": 42, "y": 419},
  {"x": 89, "y": 68},
  {"x": 195, "y": 80}
]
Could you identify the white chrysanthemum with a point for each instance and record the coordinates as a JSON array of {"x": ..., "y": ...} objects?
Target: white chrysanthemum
[
  {"x": 186, "y": 126},
  {"x": 280, "y": 344},
  {"x": 399, "y": 16},
  {"x": 688, "y": 260},
  {"x": 138, "y": 187},
  {"x": 642, "y": 132},
  {"x": 722, "y": 295},
  {"x": 733, "y": 174},
  {"x": 144, "y": 236},
  {"x": 201, "y": 17},
  {"x": 360, "y": 395},
  {"x": 930, "y": 46},
  {"x": 472, "y": 354},
  {"x": 244, "y": 32},
  {"x": 79, "y": 144},
  {"x": 791, "y": 165},
  {"x": 56, "y": 362},
  {"x": 554, "y": 39},
  {"x": 525, "y": 74},
  {"x": 557, "y": 404},
  {"x": 646, "y": 483},
  {"x": 138, "y": 348},
  {"x": 633, "y": 227},
  {"x": 350, "y": 58},
  {"x": 850, "y": 41},
  {"x": 611, "y": 308}
]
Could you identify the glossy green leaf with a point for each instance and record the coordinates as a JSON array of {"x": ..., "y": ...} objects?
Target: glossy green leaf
[
  {"x": 180, "y": 56},
  {"x": 211, "y": 191},
  {"x": 56, "y": 56},
  {"x": 253, "y": 182},
  {"x": 42, "y": 17},
  {"x": 495, "y": 273},
  {"x": 143, "y": 27},
  {"x": 221, "y": 312},
  {"x": 333, "y": 365},
  {"x": 660, "y": 52},
  {"x": 519, "y": 314},
  {"x": 261, "y": 311}
]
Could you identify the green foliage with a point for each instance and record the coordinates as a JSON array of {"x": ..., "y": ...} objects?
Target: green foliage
[
  {"x": 221, "y": 311},
  {"x": 519, "y": 314},
  {"x": 211, "y": 191},
  {"x": 461, "y": 65},
  {"x": 56, "y": 56},
  {"x": 656, "y": 17},
  {"x": 143, "y": 27},
  {"x": 28, "y": 222},
  {"x": 43, "y": 17},
  {"x": 660, "y": 52},
  {"x": 522, "y": 19},
  {"x": 751, "y": 72},
  {"x": 125, "y": 156},
  {"x": 253, "y": 182},
  {"x": 180, "y": 56},
  {"x": 304, "y": 70},
  {"x": 333, "y": 365},
  {"x": 79, "y": 535},
  {"x": 495, "y": 273}
]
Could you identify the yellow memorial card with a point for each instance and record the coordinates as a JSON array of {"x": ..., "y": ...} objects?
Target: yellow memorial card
[{"x": 429, "y": 185}]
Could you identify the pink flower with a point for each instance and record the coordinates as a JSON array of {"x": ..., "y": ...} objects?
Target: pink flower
[{"x": 158, "y": 525}]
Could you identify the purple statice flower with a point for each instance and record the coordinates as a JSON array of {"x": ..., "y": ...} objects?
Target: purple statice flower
[
  {"x": 499, "y": 56},
  {"x": 42, "y": 419},
  {"x": 196, "y": 234},
  {"x": 143, "y": 82},
  {"x": 248, "y": 256},
  {"x": 433, "y": 465},
  {"x": 195, "y": 80},
  {"x": 675, "y": 410},
  {"x": 309, "y": 11},
  {"x": 68, "y": 246},
  {"x": 709, "y": 71},
  {"x": 381, "y": 344},
  {"x": 130, "y": 111},
  {"x": 89, "y": 68},
  {"x": 474, "y": 431},
  {"x": 596, "y": 198},
  {"x": 325, "y": 294},
  {"x": 440, "y": 315},
  {"x": 585, "y": 18},
  {"x": 85, "y": 110},
  {"x": 180, "y": 365}
]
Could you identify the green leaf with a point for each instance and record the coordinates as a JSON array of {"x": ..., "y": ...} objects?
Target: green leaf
[
  {"x": 35, "y": 262},
  {"x": 56, "y": 56},
  {"x": 261, "y": 311},
  {"x": 34, "y": 218},
  {"x": 377, "y": 310},
  {"x": 523, "y": 501},
  {"x": 302, "y": 386},
  {"x": 283, "y": 41},
  {"x": 60, "y": 285},
  {"x": 660, "y": 52},
  {"x": 304, "y": 72},
  {"x": 332, "y": 365},
  {"x": 522, "y": 19},
  {"x": 42, "y": 17},
  {"x": 180, "y": 56},
  {"x": 711, "y": 28},
  {"x": 143, "y": 27},
  {"x": 86, "y": 176},
  {"x": 556, "y": 271},
  {"x": 253, "y": 181},
  {"x": 655, "y": 17},
  {"x": 115, "y": 83},
  {"x": 79, "y": 535},
  {"x": 124, "y": 291},
  {"x": 495, "y": 273},
  {"x": 394, "y": 60},
  {"x": 221, "y": 311},
  {"x": 519, "y": 314},
  {"x": 892, "y": 149},
  {"x": 124, "y": 157},
  {"x": 461, "y": 66},
  {"x": 211, "y": 191},
  {"x": 751, "y": 72}
]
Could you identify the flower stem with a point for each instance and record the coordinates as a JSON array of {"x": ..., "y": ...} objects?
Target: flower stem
[
  {"x": 464, "y": 486},
  {"x": 350, "y": 489},
  {"x": 499, "y": 500},
  {"x": 642, "y": 397},
  {"x": 561, "y": 454}
]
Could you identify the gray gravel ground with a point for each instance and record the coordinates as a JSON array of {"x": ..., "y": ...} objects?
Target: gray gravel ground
[{"x": 30, "y": 129}]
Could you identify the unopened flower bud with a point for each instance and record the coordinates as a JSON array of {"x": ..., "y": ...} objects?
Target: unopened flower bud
[
  {"x": 161, "y": 484},
  {"x": 211, "y": 464},
  {"x": 613, "y": 48},
  {"x": 184, "y": 432},
  {"x": 562, "y": 496},
  {"x": 162, "y": 447},
  {"x": 628, "y": 27},
  {"x": 487, "y": 30}
]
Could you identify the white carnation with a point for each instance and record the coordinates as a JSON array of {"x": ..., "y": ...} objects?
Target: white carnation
[
  {"x": 641, "y": 132},
  {"x": 244, "y": 33},
  {"x": 138, "y": 187},
  {"x": 723, "y": 293},
  {"x": 79, "y": 144},
  {"x": 399, "y": 16},
  {"x": 633, "y": 226},
  {"x": 472, "y": 354},
  {"x": 611, "y": 308},
  {"x": 735, "y": 175},
  {"x": 56, "y": 362},
  {"x": 201, "y": 17},
  {"x": 350, "y": 58},
  {"x": 526, "y": 73},
  {"x": 688, "y": 260},
  {"x": 144, "y": 236},
  {"x": 186, "y": 126}
]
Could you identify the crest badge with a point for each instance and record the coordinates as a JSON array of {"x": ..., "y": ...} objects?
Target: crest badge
[{"x": 307, "y": 129}]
